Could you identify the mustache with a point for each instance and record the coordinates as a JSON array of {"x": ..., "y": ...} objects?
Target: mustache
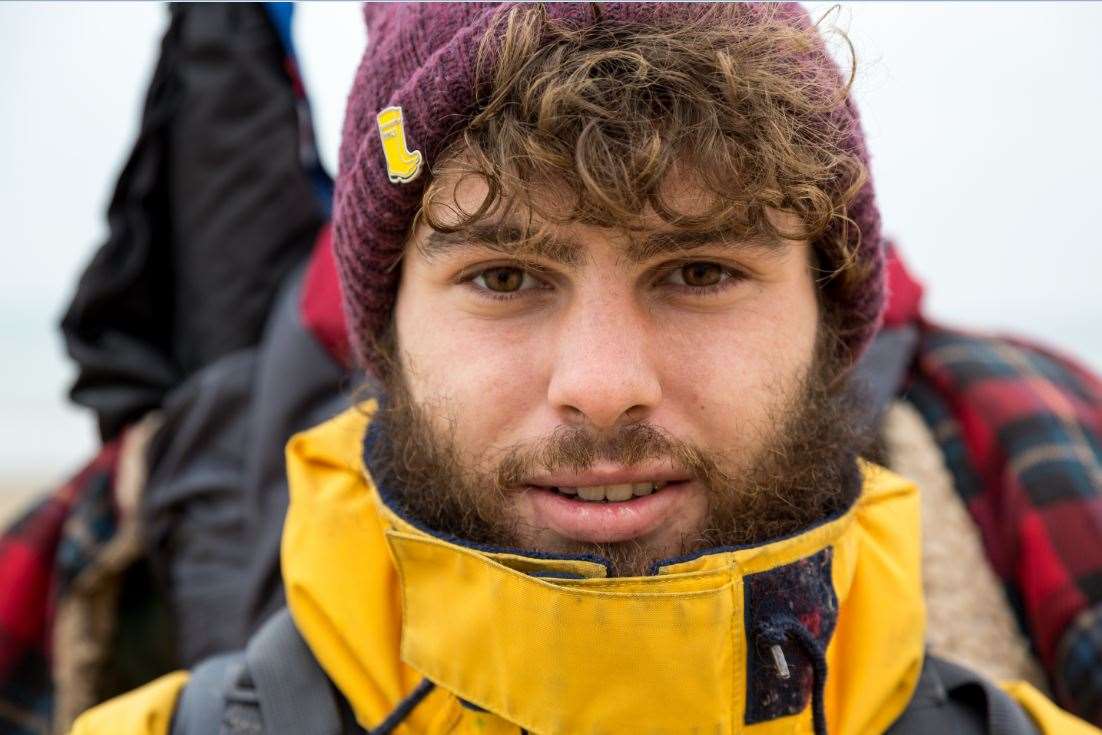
[{"x": 578, "y": 448}]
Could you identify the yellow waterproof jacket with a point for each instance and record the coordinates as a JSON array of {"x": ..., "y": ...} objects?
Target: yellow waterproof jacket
[{"x": 552, "y": 645}]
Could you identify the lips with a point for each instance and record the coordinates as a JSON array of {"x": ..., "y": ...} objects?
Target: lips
[{"x": 597, "y": 514}]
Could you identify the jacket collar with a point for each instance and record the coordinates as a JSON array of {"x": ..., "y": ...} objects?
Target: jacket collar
[{"x": 554, "y": 645}]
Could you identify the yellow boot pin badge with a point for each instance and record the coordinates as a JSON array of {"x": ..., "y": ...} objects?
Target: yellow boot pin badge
[{"x": 402, "y": 165}]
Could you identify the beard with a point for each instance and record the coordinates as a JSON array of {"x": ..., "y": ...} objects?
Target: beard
[{"x": 803, "y": 471}]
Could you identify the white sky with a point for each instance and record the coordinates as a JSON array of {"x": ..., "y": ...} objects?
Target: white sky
[{"x": 982, "y": 119}]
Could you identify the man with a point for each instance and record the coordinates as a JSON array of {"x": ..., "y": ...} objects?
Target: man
[{"x": 612, "y": 265}]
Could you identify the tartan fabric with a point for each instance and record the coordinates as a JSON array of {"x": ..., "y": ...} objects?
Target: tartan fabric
[
  {"x": 1020, "y": 428},
  {"x": 40, "y": 554}
]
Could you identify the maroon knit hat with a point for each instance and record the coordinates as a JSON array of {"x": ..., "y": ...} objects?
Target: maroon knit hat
[{"x": 421, "y": 57}]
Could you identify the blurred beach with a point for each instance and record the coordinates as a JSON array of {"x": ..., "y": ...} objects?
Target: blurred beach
[{"x": 16, "y": 495}]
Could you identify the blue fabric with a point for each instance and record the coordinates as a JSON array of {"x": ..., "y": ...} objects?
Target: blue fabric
[
  {"x": 1078, "y": 674},
  {"x": 281, "y": 15},
  {"x": 801, "y": 593}
]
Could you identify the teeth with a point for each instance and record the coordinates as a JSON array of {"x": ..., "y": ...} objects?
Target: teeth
[
  {"x": 593, "y": 492},
  {"x": 612, "y": 493},
  {"x": 618, "y": 493}
]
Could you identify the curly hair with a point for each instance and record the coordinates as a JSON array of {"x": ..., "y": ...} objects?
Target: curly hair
[{"x": 606, "y": 112}]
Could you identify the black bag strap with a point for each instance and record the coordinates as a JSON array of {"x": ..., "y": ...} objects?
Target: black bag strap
[
  {"x": 274, "y": 687},
  {"x": 202, "y": 703},
  {"x": 293, "y": 692},
  {"x": 1003, "y": 714},
  {"x": 952, "y": 699}
]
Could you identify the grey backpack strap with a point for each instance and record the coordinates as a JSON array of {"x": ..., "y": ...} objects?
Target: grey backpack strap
[
  {"x": 1003, "y": 714},
  {"x": 202, "y": 703},
  {"x": 274, "y": 687},
  {"x": 952, "y": 699},
  {"x": 293, "y": 692}
]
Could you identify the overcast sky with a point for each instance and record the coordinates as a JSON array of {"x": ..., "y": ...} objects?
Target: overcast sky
[{"x": 982, "y": 118}]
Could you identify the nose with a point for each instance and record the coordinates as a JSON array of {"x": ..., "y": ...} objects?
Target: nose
[{"x": 602, "y": 374}]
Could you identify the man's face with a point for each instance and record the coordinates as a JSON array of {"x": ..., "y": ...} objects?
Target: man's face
[{"x": 622, "y": 393}]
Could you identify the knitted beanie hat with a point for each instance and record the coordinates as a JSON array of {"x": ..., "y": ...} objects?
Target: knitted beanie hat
[{"x": 415, "y": 89}]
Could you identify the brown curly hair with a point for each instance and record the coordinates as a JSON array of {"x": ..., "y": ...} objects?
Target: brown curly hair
[{"x": 606, "y": 112}]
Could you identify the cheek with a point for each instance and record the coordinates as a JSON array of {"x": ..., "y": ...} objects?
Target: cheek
[
  {"x": 482, "y": 382},
  {"x": 730, "y": 375}
]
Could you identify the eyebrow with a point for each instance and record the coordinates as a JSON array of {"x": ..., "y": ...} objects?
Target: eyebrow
[
  {"x": 504, "y": 237},
  {"x": 671, "y": 243}
]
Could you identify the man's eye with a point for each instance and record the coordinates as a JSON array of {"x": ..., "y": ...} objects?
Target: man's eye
[
  {"x": 700, "y": 274},
  {"x": 503, "y": 279}
]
